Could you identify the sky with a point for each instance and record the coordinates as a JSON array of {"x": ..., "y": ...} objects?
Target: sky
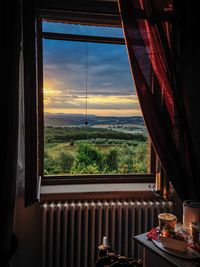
[{"x": 71, "y": 68}]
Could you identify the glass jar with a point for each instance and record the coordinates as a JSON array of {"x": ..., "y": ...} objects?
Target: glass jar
[
  {"x": 191, "y": 213},
  {"x": 167, "y": 221}
]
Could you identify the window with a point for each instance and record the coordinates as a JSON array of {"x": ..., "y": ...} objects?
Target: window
[{"x": 90, "y": 122}]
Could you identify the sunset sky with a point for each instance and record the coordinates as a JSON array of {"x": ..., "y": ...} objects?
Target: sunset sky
[{"x": 109, "y": 82}]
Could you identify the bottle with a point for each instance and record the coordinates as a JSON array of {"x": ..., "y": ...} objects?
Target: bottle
[
  {"x": 105, "y": 242},
  {"x": 105, "y": 249}
]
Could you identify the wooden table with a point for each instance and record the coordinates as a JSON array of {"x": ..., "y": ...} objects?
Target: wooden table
[{"x": 154, "y": 257}]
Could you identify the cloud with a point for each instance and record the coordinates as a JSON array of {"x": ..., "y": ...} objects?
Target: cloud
[
  {"x": 100, "y": 102},
  {"x": 109, "y": 82}
]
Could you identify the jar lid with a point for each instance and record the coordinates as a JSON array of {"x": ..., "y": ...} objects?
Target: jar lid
[{"x": 167, "y": 217}]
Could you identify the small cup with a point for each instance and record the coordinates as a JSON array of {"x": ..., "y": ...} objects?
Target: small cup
[
  {"x": 167, "y": 221},
  {"x": 196, "y": 234}
]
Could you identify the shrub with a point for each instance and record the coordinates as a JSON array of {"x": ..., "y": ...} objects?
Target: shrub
[
  {"x": 111, "y": 160},
  {"x": 65, "y": 160},
  {"x": 87, "y": 155},
  {"x": 51, "y": 165}
]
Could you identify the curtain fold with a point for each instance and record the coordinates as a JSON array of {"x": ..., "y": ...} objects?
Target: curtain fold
[
  {"x": 20, "y": 181},
  {"x": 10, "y": 85},
  {"x": 150, "y": 29},
  {"x": 30, "y": 101}
]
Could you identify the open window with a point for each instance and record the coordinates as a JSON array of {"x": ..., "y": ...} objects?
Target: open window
[
  {"x": 86, "y": 122},
  {"x": 90, "y": 121}
]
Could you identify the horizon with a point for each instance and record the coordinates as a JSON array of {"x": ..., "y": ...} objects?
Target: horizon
[{"x": 82, "y": 114}]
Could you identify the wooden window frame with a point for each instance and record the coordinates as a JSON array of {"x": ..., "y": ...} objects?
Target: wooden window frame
[{"x": 87, "y": 19}]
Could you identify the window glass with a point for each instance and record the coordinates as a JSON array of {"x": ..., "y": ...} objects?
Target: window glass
[
  {"x": 92, "y": 118},
  {"x": 78, "y": 29}
]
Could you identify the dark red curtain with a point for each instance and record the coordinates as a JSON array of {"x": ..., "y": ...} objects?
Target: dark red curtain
[{"x": 152, "y": 34}]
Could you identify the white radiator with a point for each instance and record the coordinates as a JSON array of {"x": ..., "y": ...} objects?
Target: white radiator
[{"x": 72, "y": 231}]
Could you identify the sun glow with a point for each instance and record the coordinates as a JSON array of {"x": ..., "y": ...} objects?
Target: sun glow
[
  {"x": 97, "y": 112},
  {"x": 49, "y": 92},
  {"x": 56, "y": 101}
]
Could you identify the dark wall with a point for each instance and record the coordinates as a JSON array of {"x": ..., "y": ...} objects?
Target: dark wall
[
  {"x": 189, "y": 66},
  {"x": 27, "y": 228}
]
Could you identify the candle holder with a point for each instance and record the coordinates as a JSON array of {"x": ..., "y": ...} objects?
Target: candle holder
[
  {"x": 167, "y": 221},
  {"x": 191, "y": 213}
]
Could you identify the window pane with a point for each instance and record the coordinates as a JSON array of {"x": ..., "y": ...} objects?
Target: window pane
[
  {"x": 78, "y": 29},
  {"x": 115, "y": 138}
]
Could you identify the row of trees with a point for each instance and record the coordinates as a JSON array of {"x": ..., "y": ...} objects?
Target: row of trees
[
  {"x": 72, "y": 134},
  {"x": 89, "y": 159}
]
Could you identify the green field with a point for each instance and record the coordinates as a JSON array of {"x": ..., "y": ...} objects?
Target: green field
[{"x": 89, "y": 150}]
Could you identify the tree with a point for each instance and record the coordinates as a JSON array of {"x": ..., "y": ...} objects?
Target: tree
[
  {"x": 87, "y": 156},
  {"x": 66, "y": 159},
  {"x": 140, "y": 159},
  {"x": 111, "y": 161},
  {"x": 126, "y": 155},
  {"x": 51, "y": 165}
]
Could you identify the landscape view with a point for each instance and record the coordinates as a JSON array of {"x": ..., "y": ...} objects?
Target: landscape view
[
  {"x": 108, "y": 145},
  {"x": 92, "y": 118}
]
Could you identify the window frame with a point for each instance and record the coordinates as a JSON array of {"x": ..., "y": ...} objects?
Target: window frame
[{"x": 88, "y": 19}]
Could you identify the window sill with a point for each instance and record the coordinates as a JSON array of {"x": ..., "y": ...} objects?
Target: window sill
[
  {"x": 96, "y": 191},
  {"x": 98, "y": 179}
]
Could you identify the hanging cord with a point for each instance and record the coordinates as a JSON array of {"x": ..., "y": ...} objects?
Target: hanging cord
[{"x": 86, "y": 84}]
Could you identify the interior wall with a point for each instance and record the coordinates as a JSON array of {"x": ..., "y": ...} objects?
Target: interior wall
[{"x": 27, "y": 230}]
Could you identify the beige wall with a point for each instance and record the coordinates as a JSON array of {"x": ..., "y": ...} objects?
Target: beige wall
[{"x": 27, "y": 229}]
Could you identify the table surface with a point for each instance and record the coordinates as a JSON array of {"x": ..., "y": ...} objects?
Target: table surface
[{"x": 144, "y": 241}]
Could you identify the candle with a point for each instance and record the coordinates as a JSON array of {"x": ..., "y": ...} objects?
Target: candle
[{"x": 166, "y": 233}]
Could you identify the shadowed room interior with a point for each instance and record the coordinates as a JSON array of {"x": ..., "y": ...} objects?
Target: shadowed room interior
[{"x": 80, "y": 75}]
